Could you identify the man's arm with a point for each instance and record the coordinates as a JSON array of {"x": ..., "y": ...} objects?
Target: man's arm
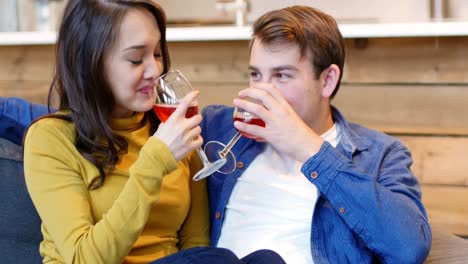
[
  {"x": 384, "y": 210},
  {"x": 15, "y": 116}
]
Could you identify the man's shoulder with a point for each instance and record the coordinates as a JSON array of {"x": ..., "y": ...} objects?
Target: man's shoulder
[
  {"x": 21, "y": 110},
  {"x": 372, "y": 136},
  {"x": 217, "y": 113},
  {"x": 15, "y": 116},
  {"x": 217, "y": 121},
  {"x": 216, "y": 110}
]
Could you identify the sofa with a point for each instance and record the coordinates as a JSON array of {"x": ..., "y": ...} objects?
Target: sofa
[{"x": 20, "y": 232}]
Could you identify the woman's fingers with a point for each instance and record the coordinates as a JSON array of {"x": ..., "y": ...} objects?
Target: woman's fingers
[
  {"x": 181, "y": 134},
  {"x": 188, "y": 100}
]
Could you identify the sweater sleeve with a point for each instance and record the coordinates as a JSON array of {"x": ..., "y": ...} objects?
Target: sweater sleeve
[
  {"x": 195, "y": 230},
  {"x": 55, "y": 173}
]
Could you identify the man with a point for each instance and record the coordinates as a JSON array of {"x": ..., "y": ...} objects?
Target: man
[{"x": 320, "y": 189}]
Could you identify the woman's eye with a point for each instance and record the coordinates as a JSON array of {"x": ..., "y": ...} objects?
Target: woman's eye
[
  {"x": 136, "y": 62},
  {"x": 157, "y": 55}
]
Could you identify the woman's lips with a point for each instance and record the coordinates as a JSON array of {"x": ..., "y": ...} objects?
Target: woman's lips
[{"x": 146, "y": 90}]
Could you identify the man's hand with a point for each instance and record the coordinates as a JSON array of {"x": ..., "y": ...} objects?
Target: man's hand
[{"x": 284, "y": 128}]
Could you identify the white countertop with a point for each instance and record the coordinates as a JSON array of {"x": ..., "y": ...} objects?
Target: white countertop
[{"x": 220, "y": 33}]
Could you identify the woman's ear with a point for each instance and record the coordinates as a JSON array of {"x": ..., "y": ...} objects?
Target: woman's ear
[{"x": 330, "y": 77}]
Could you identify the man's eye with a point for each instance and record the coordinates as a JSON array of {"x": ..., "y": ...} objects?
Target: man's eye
[
  {"x": 255, "y": 76},
  {"x": 282, "y": 76}
]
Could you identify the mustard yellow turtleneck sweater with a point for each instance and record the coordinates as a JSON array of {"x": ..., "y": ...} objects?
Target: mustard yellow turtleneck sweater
[{"x": 147, "y": 208}]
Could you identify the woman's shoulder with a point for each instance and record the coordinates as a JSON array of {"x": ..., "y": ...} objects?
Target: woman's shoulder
[{"x": 55, "y": 125}]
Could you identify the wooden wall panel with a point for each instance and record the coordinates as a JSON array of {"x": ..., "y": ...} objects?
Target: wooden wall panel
[
  {"x": 21, "y": 63},
  {"x": 439, "y": 160},
  {"x": 446, "y": 206},
  {"x": 406, "y": 108},
  {"x": 407, "y": 60},
  {"x": 212, "y": 62},
  {"x": 34, "y": 91}
]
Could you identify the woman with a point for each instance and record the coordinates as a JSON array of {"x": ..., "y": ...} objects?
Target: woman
[{"x": 110, "y": 183}]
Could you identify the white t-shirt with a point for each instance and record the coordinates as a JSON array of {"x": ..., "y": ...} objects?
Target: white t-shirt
[{"x": 271, "y": 207}]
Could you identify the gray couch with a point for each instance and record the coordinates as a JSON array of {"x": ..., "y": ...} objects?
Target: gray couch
[{"x": 20, "y": 233}]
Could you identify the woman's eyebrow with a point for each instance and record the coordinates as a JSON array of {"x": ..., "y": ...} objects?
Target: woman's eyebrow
[{"x": 137, "y": 47}]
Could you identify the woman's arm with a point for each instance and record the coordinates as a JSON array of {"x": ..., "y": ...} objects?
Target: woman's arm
[
  {"x": 57, "y": 177},
  {"x": 196, "y": 227}
]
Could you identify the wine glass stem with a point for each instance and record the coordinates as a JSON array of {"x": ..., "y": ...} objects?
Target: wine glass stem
[
  {"x": 231, "y": 144},
  {"x": 202, "y": 155}
]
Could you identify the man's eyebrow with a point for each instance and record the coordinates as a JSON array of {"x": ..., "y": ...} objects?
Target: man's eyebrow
[
  {"x": 285, "y": 67},
  {"x": 279, "y": 68},
  {"x": 253, "y": 68}
]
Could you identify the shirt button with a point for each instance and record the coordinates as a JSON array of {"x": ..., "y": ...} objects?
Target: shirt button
[
  {"x": 314, "y": 175},
  {"x": 218, "y": 215},
  {"x": 342, "y": 210},
  {"x": 240, "y": 165}
]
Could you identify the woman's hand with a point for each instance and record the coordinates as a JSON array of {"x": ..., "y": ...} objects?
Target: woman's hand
[{"x": 181, "y": 134}]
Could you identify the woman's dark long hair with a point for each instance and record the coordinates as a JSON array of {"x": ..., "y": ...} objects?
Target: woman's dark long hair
[{"x": 88, "y": 30}]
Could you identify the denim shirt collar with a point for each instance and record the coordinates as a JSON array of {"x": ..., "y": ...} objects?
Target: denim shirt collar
[{"x": 350, "y": 140}]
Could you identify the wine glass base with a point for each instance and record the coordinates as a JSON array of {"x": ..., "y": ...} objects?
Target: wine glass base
[
  {"x": 213, "y": 150},
  {"x": 209, "y": 169}
]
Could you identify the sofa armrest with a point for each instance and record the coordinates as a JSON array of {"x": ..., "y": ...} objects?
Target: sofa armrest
[{"x": 447, "y": 248}]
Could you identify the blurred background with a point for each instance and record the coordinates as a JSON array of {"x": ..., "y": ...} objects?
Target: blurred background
[{"x": 43, "y": 15}]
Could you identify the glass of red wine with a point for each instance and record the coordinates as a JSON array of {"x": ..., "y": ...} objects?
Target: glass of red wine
[
  {"x": 170, "y": 89},
  {"x": 216, "y": 150}
]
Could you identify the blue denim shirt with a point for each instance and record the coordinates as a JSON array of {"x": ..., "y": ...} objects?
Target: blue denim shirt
[
  {"x": 369, "y": 207},
  {"x": 15, "y": 116}
]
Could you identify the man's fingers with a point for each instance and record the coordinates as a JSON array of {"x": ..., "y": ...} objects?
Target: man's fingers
[
  {"x": 250, "y": 129},
  {"x": 263, "y": 96},
  {"x": 259, "y": 110}
]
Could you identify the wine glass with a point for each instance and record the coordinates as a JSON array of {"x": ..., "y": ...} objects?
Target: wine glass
[
  {"x": 216, "y": 150},
  {"x": 170, "y": 89}
]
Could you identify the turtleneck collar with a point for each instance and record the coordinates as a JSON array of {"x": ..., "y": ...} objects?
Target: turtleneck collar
[{"x": 127, "y": 123}]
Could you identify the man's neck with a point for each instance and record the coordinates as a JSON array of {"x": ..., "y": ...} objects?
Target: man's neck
[{"x": 323, "y": 120}]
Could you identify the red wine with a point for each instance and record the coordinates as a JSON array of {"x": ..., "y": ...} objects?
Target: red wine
[
  {"x": 252, "y": 121},
  {"x": 164, "y": 111}
]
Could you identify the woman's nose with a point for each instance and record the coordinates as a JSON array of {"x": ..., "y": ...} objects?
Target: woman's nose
[{"x": 152, "y": 70}]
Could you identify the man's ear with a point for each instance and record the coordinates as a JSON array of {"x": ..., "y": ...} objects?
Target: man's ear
[{"x": 330, "y": 77}]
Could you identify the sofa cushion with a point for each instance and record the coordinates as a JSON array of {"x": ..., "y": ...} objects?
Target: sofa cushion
[{"x": 20, "y": 224}]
